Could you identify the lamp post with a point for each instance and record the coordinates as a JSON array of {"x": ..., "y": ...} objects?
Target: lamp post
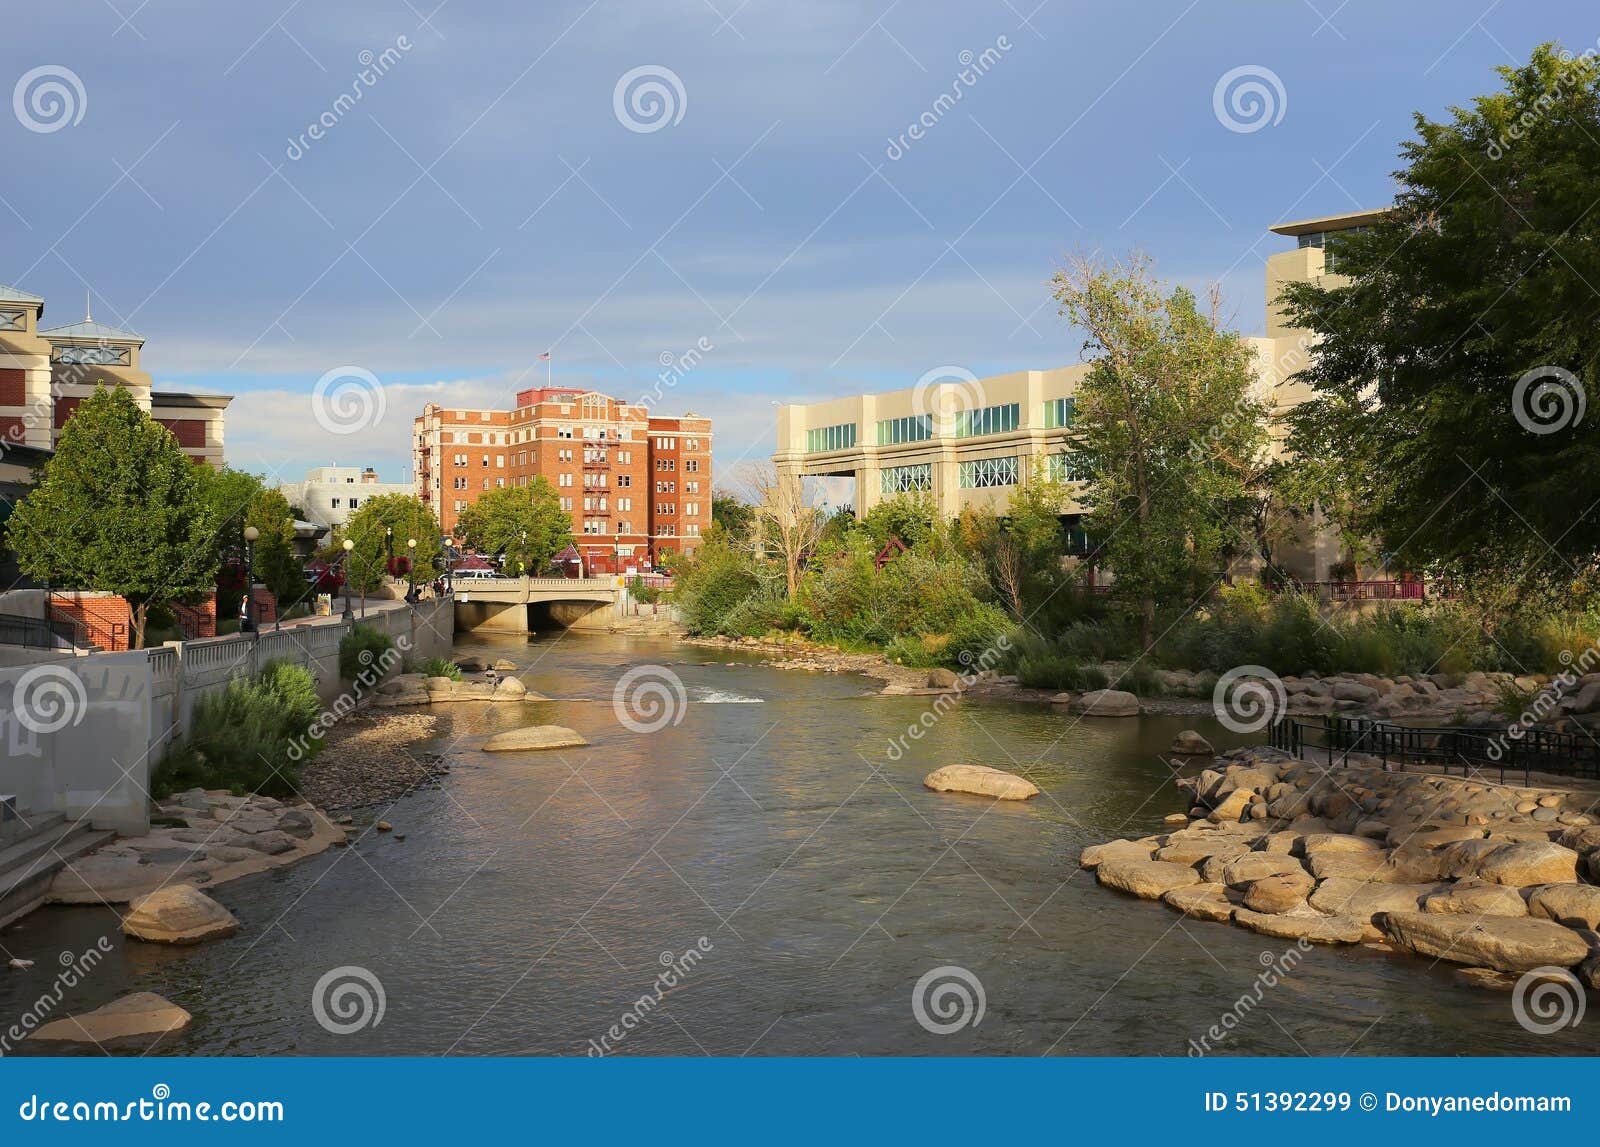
[
  {"x": 411, "y": 569},
  {"x": 349, "y": 546},
  {"x": 247, "y": 621},
  {"x": 523, "y": 562}
]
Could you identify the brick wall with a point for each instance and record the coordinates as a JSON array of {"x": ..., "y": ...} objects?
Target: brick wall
[{"x": 107, "y": 619}]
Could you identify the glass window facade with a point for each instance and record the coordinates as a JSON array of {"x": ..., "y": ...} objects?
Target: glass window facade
[
  {"x": 1059, "y": 412},
  {"x": 901, "y": 479},
  {"x": 987, "y": 472},
  {"x": 988, "y": 420},
  {"x": 1064, "y": 468},
  {"x": 824, "y": 438},
  {"x": 912, "y": 428}
]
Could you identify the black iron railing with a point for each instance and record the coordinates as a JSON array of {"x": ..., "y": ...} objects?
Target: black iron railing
[
  {"x": 1522, "y": 751},
  {"x": 41, "y": 633}
]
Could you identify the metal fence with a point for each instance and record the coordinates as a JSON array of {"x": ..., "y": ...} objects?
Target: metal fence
[{"x": 1522, "y": 751}]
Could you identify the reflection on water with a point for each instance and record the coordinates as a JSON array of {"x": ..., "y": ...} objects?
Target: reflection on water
[{"x": 536, "y": 898}]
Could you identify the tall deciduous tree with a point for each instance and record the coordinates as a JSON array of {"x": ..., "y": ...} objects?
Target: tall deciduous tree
[
  {"x": 117, "y": 508},
  {"x": 525, "y": 523},
  {"x": 789, "y": 520},
  {"x": 1167, "y": 429},
  {"x": 388, "y": 522},
  {"x": 1453, "y": 368},
  {"x": 236, "y": 499}
]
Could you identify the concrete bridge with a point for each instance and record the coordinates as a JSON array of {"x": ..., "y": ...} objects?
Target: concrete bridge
[{"x": 535, "y": 604}]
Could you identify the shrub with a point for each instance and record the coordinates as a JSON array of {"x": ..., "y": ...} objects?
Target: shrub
[
  {"x": 759, "y": 615},
  {"x": 295, "y": 687},
  {"x": 1047, "y": 670},
  {"x": 361, "y": 649},
  {"x": 240, "y": 739},
  {"x": 441, "y": 667},
  {"x": 642, "y": 593}
]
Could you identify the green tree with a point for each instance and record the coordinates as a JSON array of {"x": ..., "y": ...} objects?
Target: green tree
[
  {"x": 732, "y": 513},
  {"x": 384, "y": 523},
  {"x": 909, "y": 516},
  {"x": 1456, "y": 348},
  {"x": 117, "y": 508},
  {"x": 1167, "y": 430},
  {"x": 525, "y": 523},
  {"x": 236, "y": 499}
]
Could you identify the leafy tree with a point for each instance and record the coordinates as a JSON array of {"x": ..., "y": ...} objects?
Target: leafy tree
[
  {"x": 732, "y": 513},
  {"x": 1167, "y": 429},
  {"x": 384, "y": 523},
  {"x": 236, "y": 499},
  {"x": 117, "y": 508},
  {"x": 909, "y": 516},
  {"x": 1456, "y": 348},
  {"x": 525, "y": 523}
]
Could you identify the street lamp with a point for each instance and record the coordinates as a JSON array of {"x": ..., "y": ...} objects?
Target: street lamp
[
  {"x": 523, "y": 563},
  {"x": 411, "y": 569},
  {"x": 349, "y": 615},
  {"x": 247, "y": 622}
]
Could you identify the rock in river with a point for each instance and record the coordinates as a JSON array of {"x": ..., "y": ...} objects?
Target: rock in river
[
  {"x": 178, "y": 914},
  {"x": 980, "y": 780},
  {"x": 1189, "y": 743},
  {"x": 1506, "y": 943},
  {"x": 141, "y": 1014},
  {"x": 534, "y": 737},
  {"x": 1105, "y": 703},
  {"x": 1147, "y": 879}
]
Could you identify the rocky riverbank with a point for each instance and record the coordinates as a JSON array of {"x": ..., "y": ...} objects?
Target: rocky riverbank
[
  {"x": 1500, "y": 879},
  {"x": 372, "y": 759},
  {"x": 203, "y": 838}
]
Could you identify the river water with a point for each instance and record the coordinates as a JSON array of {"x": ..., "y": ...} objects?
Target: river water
[{"x": 538, "y": 896}]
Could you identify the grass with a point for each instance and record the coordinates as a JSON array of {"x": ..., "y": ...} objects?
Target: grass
[
  {"x": 250, "y": 737},
  {"x": 440, "y": 667}
]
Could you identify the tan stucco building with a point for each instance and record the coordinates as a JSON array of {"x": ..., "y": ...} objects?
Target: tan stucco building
[{"x": 970, "y": 442}]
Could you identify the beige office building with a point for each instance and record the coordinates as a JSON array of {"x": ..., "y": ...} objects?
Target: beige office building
[{"x": 970, "y": 442}]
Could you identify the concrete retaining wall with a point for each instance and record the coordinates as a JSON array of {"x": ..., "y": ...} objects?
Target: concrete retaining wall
[{"x": 81, "y": 735}]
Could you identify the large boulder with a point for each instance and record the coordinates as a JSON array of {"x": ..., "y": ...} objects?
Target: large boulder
[
  {"x": 1314, "y": 929},
  {"x": 1252, "y": 866},
  {"x": 1574, "y": 905},
  {"x": 141, "y": 1014},
  {"x": 1146, "y": 879},
  {"x": 1189, "y": 743},
  {"x": 1354, "y": 691},
  {"x": 1341, "y": 896},
  {"x": 1476, "y": 900},
  {"x": 1097, "y": 854},
  {"x": 1105, "y": 703},
  {"x": 1202, "y": 902},
  {"x": 178, "y": 914},
  {"x": 980, "y": 780},
  {"x": 1193, "y": 849},
  {"x": 1520, "y": 865},
  {"x": 1506, "y": 943},
  {"x": 1232, "y": 808},
  {"x": 509, "y": 689},
  {"x": 532, "y": 738},
  {"x": 1280, "y": 893},
  {"x": 1319, "y": 842}
]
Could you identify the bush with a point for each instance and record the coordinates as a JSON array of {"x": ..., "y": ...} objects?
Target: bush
[
  {"x": 361, "y": 650},
  {"x": 249, "y": 738},
  {"x": 1046, "y": 670},
  {"x": 295, "y": 687},
  {"x": 759, "y": 615},
  {"x": 642, "y": 593},
  {"x": 440, "y": 667}
]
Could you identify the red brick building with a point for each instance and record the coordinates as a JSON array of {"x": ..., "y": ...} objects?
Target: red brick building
[{"x": 636, "y": 485}]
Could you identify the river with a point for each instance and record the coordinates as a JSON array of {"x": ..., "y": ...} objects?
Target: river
[{"x": 536, "y": 897}]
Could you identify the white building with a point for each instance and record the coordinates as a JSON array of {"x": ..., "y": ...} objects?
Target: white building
[{"x": 330, "y": 494}]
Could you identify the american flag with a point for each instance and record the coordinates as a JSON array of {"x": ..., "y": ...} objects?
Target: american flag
[{"x": 545, "y": 357}]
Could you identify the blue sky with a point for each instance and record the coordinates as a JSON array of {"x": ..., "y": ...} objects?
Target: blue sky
[{"x": 485, "y": 201}]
